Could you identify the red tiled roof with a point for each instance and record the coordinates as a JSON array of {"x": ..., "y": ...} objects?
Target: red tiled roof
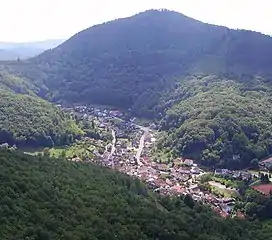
[
  {"x": 263, "y": 188},
  {"x": 217, "y": 210},
  {"x": 159, "y": 182},
  {"x": 168, "y": 182},
  {"x": 223, "y": 214},
  {"x": 240, "y": 215},
  {"x": 178, "y": 189}
]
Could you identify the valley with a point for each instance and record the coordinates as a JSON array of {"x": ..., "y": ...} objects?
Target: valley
[
  {"x": 130, "y": 149},
  {"x": 155, "y": 126}
]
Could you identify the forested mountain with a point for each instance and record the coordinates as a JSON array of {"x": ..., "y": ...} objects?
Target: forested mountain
[
  {"x": 14, "y": 51},
  {"x": 207, "y": 87},
  {"x": 141, "y": 63},
  {"x": 55, "y": 199},
  {"x": 27, "y": 120},
  {"x": 133, "y": 60}
]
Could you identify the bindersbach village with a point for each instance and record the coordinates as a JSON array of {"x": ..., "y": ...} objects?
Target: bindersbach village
[{"x": 130, "y": 152}]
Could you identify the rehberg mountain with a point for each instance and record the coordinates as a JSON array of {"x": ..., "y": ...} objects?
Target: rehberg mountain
[{"x": 210, "y": 85}]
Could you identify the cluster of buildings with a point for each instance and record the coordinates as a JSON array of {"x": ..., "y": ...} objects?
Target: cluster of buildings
[
  {"x": 130, "y": 153},
  {"x": 178, "y": 178},
  {"x": 235, "y": 175},
  {"x": 96, "y": 111},
  {"x": 266, "y": 164},
  {"x": 222, "y": 206}
]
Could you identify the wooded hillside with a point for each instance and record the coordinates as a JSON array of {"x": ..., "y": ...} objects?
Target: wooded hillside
[
  {"x": 55, "y": 199},
  {"x": 219, "y": 120},
  {"x": 27, "y": 120},
  {"x": 30, "y": 121}
]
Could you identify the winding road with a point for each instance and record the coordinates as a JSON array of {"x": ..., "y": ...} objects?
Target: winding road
[
  {"x": 141, "y": 146},
  {"x": 113, "y": 148}
]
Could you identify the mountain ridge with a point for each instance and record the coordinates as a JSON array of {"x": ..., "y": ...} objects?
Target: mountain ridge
[
  {"x": 13, "y": 51},
  {"x": 138, "y": 63},
  {"x": 205, "y": 48},
  {"x": 221, "y": 118}
]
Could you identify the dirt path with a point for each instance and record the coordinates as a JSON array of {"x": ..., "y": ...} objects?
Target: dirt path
[
  {"x": 141, "y": 147},
  {"x": 113, "y": 148}
]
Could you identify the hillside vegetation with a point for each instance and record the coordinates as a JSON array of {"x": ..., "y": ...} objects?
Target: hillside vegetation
[
  {"x": 132, "y": 61},
  {"x": 136, "y": 64},
  {"x": 57, "y": 199},
  {"x": 15, "y": 84},
  {"x": 30, "y": 121},
  {"x": 219, "y": 120}
]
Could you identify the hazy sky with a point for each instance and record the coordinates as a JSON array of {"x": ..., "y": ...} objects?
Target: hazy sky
[{"x": 30, "y": 20}]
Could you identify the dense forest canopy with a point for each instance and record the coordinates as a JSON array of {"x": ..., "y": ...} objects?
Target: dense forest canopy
[
  {"x": 218, "y": 120},
  {"x": 26, "y": 120},
  {"x": 55, "y": 199},
  {"x": 15, "y": 84},
  {"x": 30, "y": 121}
]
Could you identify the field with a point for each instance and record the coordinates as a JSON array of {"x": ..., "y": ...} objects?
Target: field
[
  {"x": 32, "y": 151},
  {"x": 76, "y": 150},
  {"x": 223, "y": 190},
  {"x": 82, "y": 149},
  {"x": 265, "y": 189},
  {"x": 142, "y": 121}
]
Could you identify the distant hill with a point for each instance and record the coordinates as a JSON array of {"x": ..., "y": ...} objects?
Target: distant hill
[
  {"x": 14, "y": 51},
  {"x": 132, "y": 61}
]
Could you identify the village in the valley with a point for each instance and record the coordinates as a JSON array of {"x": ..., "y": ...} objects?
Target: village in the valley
[{"x": 130, "y": 152}]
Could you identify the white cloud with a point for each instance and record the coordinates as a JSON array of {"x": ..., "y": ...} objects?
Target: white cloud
[{"x": 25, "y": 20}]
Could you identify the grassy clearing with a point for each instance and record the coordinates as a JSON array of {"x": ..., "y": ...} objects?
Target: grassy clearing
[
  {"x": 223, "y": 190},
  {"x": 162, "y": 157},
  {"x": 32, "y": 151},
  {"x": 228, "y": 193},
  {"x": 142, "y": 121},
  {"x": 81, "y": 150}
]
